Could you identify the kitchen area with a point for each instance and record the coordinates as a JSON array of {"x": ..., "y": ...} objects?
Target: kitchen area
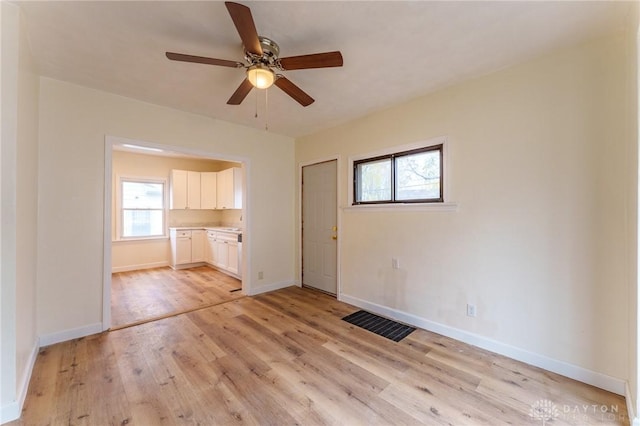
[
  {"x": 177, "y": 242},
  {"x": 217, "y": 245}
]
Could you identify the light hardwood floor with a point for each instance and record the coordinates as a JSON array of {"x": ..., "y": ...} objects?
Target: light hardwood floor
[
  {"x": 145, "y": 295},
  {"x": 286, "y": 358}
]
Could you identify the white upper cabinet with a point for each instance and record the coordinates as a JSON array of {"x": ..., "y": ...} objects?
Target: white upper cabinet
[
  {"x": 184, "y": 190},
  {"x": 208, "y": 190},
  {"x": 193, "y": 190},
  {"x": 178, "y": 189},
  {"x": 229, "y": 184}
]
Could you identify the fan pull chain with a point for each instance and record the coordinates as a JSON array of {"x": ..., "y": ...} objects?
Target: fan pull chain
[
  {"x": 256, "y": 116},
  {"x": 266, "y": 110}
]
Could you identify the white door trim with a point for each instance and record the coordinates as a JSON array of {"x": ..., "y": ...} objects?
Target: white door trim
[{"x": 339, "y": 185}]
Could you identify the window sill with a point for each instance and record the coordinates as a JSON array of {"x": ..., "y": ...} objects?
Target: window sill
[
  {"x": 139, "y": 239},
  {"x": 408, "y": 207}
]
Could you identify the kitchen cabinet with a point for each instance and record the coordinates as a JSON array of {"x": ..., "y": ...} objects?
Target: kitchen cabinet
[
  {"x": 232, "y": 258},
  {"x": 187, "y": 247},
  {"x": 208, "y": 190},
  {"x": 184, "y": 192},
  {"x": 198, "y": 237},
  {"x": 180, "y": 247},
  {"x": 211, "y": 248},
  {"x": 229, "y": 189},
  {"x": 224, "y": 252}
]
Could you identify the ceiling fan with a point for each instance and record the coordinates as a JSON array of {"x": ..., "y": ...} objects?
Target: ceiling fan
[{"x": 262, "y": 60}]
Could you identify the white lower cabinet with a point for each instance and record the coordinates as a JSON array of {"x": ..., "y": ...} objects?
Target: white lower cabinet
[
  {"x": 187, "y": 247},
  {"x": 211, "y": 247},
  {"x": 223, "y": 252},
  {"x": 190, "y": 247},
  {"x": 232, "y": 259},
  {"x": 198, "y": 237},
  {"x": 181, "y": 248}
]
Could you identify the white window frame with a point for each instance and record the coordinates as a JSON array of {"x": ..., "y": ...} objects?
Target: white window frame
[
  {"x": 120, "y": 211},
  {"x": 445, "y": 205}
]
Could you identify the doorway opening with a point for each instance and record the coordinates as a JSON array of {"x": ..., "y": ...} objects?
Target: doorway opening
[{"x": 163, "y": 258}]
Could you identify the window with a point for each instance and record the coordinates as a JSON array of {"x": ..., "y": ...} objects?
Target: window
[
  {"x": 143, "y": 203},
  {"x": 414, "y": 176}
]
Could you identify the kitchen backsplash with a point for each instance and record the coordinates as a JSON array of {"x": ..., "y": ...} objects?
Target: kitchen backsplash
[
  {"x": 232, "y": 218},
  {"x": 206, "y": 217},
  {"x": 194, "y": 217}
]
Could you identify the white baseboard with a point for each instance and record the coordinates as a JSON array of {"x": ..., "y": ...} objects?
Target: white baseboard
[
  {"x": 631, "y": 412},
  {"x": 73, "y": 333},
  {"x": 10, "y": 412},
  {"x": 611, "y": 384},
  {"x": 13, "y": 410},
  {"x": 139, "y": 267},
  {"x": 23, "y": 385},
  {"x": 270, "y": 287}
]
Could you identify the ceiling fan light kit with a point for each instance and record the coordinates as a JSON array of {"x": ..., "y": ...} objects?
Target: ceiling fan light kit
[
  {"x": 261, "y": 76},
  {"x": 262, "y": 57}
]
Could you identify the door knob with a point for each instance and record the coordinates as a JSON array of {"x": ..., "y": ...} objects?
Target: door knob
[{"x": 334, "y": 237}]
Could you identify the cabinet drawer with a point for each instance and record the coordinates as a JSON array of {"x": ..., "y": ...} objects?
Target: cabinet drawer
[{"x": 183, "y": 233}]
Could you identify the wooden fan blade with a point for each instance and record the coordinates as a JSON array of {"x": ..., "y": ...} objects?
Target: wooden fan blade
[
  {"x": 294, "y": 91},
  {"x": 202, "y": 60},
  {"x": 316, "y": 60},
  {"x": 242, "y": 19},
  {"x": 241, "y": 92}
]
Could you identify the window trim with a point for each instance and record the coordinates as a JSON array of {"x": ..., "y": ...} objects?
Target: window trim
[
  {"x": 119, "y": 213},
  {"x": 439, "y": 144}
]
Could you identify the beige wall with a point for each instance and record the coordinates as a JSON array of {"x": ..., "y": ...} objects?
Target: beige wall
[
  {"x": 18, "y": 213},
  {"x": 73, "y": 124},
  {"x": 539, "y": 243},
  {"x": 131, "y": 255}
]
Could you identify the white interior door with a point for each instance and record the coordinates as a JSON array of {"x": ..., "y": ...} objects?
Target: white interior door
[{"x": 319, "y": 226}]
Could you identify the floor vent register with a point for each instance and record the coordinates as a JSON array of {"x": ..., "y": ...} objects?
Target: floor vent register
[{"x": 382, "y": 326}]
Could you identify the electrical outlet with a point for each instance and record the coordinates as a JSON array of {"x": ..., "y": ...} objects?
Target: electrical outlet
[
  {"x": 471, "y": 310},
  {"x": 260, "y": 275},
  {"x": 395, "y": 263}
]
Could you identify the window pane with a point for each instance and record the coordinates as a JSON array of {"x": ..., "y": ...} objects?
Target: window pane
[
  {"x": 374, "y": 181},
  {"x": 142, "y": 195},
  {"x": 418, "y": 176},
  {"x": 142, "y": 223}
]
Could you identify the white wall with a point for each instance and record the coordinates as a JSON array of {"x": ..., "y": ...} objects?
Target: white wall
[
  {"x": 540, "y": 240},
  {"x": 73, "y": 123},
  {"x": 18, "y": 230}
]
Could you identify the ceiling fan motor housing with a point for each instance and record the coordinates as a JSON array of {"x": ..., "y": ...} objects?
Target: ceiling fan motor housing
[{"x": 270, "y": 53}]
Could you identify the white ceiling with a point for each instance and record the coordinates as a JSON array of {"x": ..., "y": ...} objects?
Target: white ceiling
[{"x": 393, "y": 51}]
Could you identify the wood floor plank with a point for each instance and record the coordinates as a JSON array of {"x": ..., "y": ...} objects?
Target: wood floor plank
[
  {"x": 150, "y": 294},
  {"x": 106, "y": 386},
  {"x": 287, "y": 357},
  {"x": 43, "y": 385}
]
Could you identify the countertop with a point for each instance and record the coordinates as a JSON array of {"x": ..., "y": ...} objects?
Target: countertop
[{"x": 229, "y": 229}]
